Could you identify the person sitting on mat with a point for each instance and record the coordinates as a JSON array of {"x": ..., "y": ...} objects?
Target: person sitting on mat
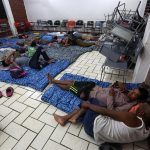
[
  {"x": 111, "y": 126},
  {"x": 32, "y": 59},
  {"x": 113, "y": 98}
]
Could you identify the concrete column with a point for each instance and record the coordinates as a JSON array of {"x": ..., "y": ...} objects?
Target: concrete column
[{"x": 10, "y": 16}]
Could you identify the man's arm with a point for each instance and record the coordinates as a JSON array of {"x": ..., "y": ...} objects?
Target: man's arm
[
  {"x": 124, "y": 107},
  {"x": 127, "y": 118}
]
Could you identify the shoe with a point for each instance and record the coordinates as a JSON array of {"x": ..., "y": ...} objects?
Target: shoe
[
  {"x": 1, "y": 95},
  {"x": 9, "y": 91}
]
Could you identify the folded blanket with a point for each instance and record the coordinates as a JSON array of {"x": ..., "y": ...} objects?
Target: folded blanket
[{"x": 66, "y": 101}]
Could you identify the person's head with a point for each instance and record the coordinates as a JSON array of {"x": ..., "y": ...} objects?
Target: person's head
[
  {"x": 140, "y": 94},
  {"x": 33, "y": 44},
  {"x": 144, "y": 112}
]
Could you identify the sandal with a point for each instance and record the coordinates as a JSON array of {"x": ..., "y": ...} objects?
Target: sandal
[
  {"x": 9, "y": 91},
  {"x": 1, "y": 95}
]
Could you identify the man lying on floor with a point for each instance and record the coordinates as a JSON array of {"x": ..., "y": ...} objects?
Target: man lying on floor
[
  {"x": 114, "y": 98},
  {"x": 31, "y": 58},
  {"x": 109, "y": 124},
  {"x": 75, "y": 38}
]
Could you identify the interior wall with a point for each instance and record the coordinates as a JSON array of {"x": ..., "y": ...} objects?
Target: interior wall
[
  {"x": 18, "y": 10},
  {"x": 75, "y": 9},
  {"x": 143, "y": 63}
]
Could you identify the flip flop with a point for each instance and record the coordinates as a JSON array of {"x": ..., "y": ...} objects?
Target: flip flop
[
  {"x": 9, "y": 91},
  {"x": 1, "y": 95}
]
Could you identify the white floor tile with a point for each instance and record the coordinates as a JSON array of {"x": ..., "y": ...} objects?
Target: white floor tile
[
  {"x": 74, "y": 142},
  {"x": 3, "y": 99},
  {"x": 30, "y": 148},
  {"x": 2, "y": 84},
  {"x": 4, "y": 111},
  {"x": 42, "y": 137},
  {"x": 15, "y": 130},
  {"x": 54, "y": 146},
  {"x": 25, "y": 141},
  {"x": 18, "y": 106},
  {"x": 24, "y": 115},
  {"x": 35, "y": 95},
  {"x": 40, "y": 109},
  {"x": 33, "y": 124},
  {"x": 8, "y": 144},
  {"x": 32, "y": 103},
  {"x": 75, "y": 129},
  {"x": 142, "y": 144},
  {"x": 83, "y": 135},
  {"x": 51, "y": 109},
  {"x": 8, "y": 119},
  {"x": 59, "y": 133},
  {"x": 12, "y": 99},
  {"x": 25, "y": 96},
  {"x": 48, "y": 119},
  {"x": 3, "y": 137},
  {"x": 92, "y": 147},
  {"x": 1, "y": 118},
  {"x": 20, "y": 90}
]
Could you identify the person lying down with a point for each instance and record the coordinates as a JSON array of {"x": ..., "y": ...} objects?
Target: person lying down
[{"x": 109, "y": 124}]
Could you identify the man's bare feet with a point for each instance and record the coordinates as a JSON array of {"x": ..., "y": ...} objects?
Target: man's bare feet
[
  {"x": 72, "y": 120},
  {"x": 51, "y": 61},
  {"x": 50, "y": 78},
  {"x": 60, "y": 119}
]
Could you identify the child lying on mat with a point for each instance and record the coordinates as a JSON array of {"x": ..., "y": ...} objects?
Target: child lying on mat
[
  {"x": 30, "y": 59},
  {"x": 114, "y": 97},
  {"x": 112, "y": 126}
]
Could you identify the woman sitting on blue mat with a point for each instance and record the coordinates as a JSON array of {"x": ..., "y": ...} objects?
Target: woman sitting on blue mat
[
  {"x": 113, "y": 98},
  {"x": 106, "y": 125},
  {"x": 30, "y": 59}
]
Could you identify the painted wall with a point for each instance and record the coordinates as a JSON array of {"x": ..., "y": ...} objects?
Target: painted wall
[
  {"x": 75, "y": 9},
  {"x": 143, "y": 62}
]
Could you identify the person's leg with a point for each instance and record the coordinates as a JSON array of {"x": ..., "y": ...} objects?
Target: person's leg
[
  {"x": 88, "y": 122},
  {"x": 22, "y": 61},
  {"x": 62, "y": 120},
  {"x": 64, "y": 84},
  {"x": 75, "y": 117},
  {"x": 89, "y": 117},
  {"x": 79, "y": 116},
  {"x": 34, "y": 61},
  {"x": 84, "y": 43},
  {"x": 45, "y": 56}
]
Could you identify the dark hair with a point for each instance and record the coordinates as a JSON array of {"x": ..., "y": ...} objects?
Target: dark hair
[
  {"x": 143, "y": 93},
  {"x": 4, "y": 64},
  {"x": 33, "y": 44}
]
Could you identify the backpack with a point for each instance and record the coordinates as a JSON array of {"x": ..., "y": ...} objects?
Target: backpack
[{"x": 17, "y": 72}]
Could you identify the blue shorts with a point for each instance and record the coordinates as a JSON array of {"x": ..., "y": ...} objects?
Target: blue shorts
[{"x": 89, "y": 117}]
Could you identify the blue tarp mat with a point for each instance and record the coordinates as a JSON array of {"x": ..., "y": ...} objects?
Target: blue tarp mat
[
  {"x": 36, "y": 79},
  {"x": 67, "y": 101}
]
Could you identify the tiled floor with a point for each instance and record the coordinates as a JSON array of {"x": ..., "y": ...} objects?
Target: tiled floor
[{"x": 27, "y": 123}]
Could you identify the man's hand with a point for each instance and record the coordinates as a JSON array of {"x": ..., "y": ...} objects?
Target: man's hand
[
  {"x": 85, "y": 104},
  {"x": 111, "y": 91}
]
